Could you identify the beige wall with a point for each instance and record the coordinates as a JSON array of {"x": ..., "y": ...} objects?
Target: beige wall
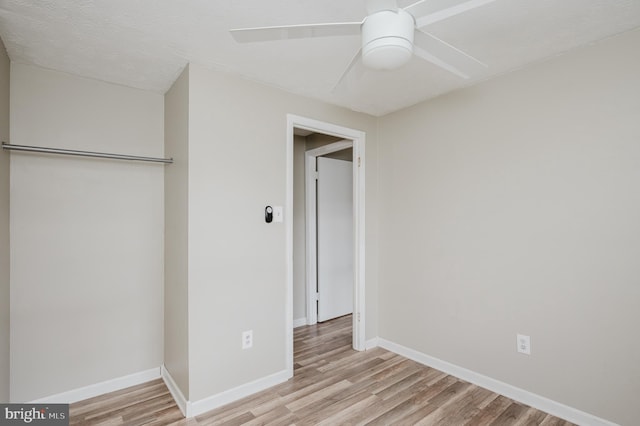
[
  {"x": 4, "y": 225},
  {"x": 176, "y": 186},
  {"x": 237, "y": 268},
  {"x": 86, "y": 234},
  {"x": 512, "y": 207}
]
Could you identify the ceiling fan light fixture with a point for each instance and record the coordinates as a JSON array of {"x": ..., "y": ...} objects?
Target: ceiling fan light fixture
[
  {"x": 387, "y": 53},
  {"x": 387, "y": 39}
]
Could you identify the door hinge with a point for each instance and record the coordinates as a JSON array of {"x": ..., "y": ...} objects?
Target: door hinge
[
  {"x": 358, "y": 161},
  {"x": 315, "y": 175},
  {"x": 317, "y": 296},
  {"x": 358, "y": 316}
]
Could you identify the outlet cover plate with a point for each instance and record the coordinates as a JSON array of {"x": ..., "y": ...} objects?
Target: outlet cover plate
[
  {"x": 524, "y": 344},
  {"x": 278, "y": 215},
  {"x": 247, "y": 339}
]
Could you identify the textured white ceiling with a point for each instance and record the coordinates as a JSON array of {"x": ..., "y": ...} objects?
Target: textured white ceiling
[{"x": 146, "y": 43}]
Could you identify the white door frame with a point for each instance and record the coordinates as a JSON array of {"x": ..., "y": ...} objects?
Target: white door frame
[
  {"x": 358, "y": 138},
  {"x": 311, "y": 222}
]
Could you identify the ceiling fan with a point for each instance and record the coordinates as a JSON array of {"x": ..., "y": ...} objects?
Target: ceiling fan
[{"x": 390, "y": 35}]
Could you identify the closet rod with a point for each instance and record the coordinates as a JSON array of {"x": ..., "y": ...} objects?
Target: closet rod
[{"x": 84, "y": 153}]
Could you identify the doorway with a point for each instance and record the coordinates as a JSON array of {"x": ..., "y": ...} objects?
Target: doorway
[
  {"x": 356, "y": 139},
  {"x": 329, "y": 231}
]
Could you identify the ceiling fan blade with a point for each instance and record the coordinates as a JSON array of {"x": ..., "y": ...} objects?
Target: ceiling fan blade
[
  {"x": 374, "y": 6},
  {"x": 250, "y": 35},
  {"x": 355, "y": 66},
  {"x": 427, "y": 12},
  {"x": 445, "y": 56}
]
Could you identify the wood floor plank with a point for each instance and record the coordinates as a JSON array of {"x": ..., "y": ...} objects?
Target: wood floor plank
[
  {"x": 490, "y": 412},
  {"x": 383, "y": 407},
  {"x": 315, "y": 397},
  {"x": 388, "y": 367},
  {"x": 510, "y": 415},
  {"x": 345, "y": 412},
  {"x": 460, "y": 412},
  {"x": 423, "y": 404},
  {"x": 232, "y": 410},
  {"x": 118, "y": 399},
  {"x": 554, "y": 421},
  {"x": 332, "y": 385},
  {"x": 531, "y": 417},
  {"x": 446, "y": 403},
  {"x": 407, "y": 381},
  {"x": 278, "y": 413}
]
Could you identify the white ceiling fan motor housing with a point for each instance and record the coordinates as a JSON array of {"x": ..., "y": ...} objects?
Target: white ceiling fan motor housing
[{"x": 387, "y": 39}]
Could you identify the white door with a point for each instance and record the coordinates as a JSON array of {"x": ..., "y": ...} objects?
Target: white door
[{"x": 335, "y": 238}]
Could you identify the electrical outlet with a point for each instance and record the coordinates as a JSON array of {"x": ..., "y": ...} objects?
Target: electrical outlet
[
  {"x": 524, "y": 344},
  {"x": 247, "y": 339}
]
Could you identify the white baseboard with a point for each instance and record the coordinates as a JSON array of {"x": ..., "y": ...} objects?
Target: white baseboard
[
  {"x": 101, "y": 388},
  {"x": 175, "y": 391},
  {"x": 299, "y": 322},
  {"x": 371, "y": 343},
  {"x": 536, "y": 401},
  {"x": 192, "y": 409},
  {"x": 231, "y": 395}
]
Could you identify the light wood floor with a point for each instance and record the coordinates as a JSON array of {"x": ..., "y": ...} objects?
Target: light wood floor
[{"x": 332, "y": 385}]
